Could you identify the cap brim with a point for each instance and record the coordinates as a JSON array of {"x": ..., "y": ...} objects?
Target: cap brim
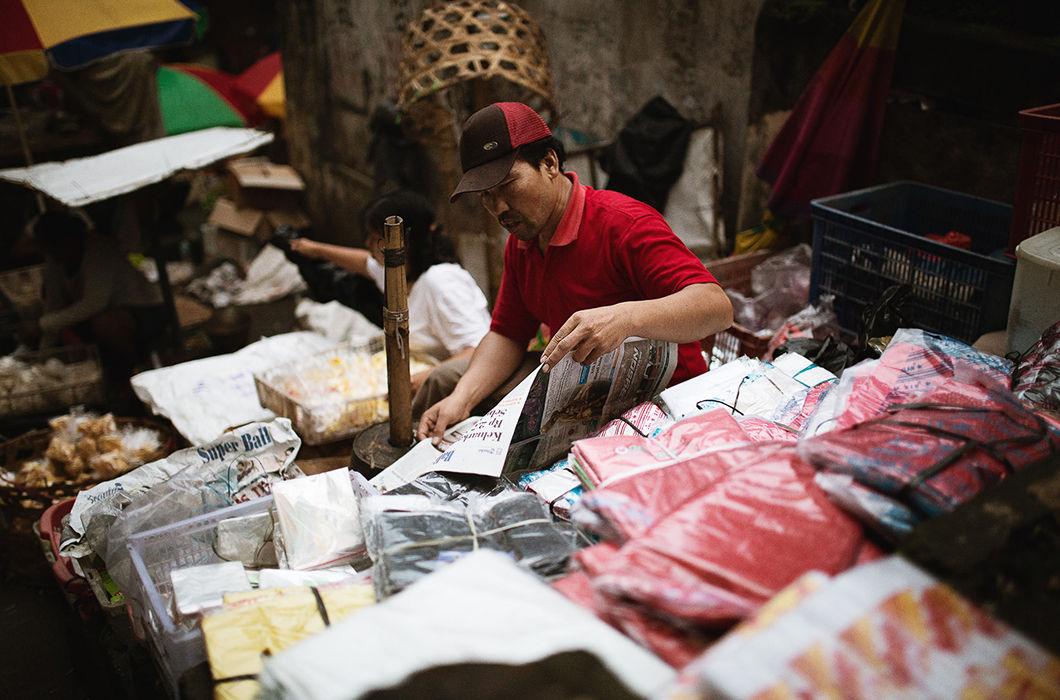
[{"x": 484, "y": 176}]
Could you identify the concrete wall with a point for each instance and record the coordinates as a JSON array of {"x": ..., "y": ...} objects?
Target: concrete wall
[{"x": 608, "y": 58}]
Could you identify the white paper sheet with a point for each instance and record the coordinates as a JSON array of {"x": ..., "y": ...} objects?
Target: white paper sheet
[
  {"x": 481, "y": 608},
  {"x": 81, "y": 181},
  {"x": 203, "y": 398}
]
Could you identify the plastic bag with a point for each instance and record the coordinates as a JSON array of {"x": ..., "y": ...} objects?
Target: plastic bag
[
  {"x": 410, "y": 535},
  {"x": 717, "y": 552},
  {"x": 319, "y": 521},
  {"x": 941, "y": 450},
  {"x": 1036, "y": 378}
]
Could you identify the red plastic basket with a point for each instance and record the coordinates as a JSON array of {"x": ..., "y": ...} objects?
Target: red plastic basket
[{"x": 1037, "y": 203}]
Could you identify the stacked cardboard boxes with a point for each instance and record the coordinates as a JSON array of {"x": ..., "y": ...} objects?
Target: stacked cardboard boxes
[{"x": 259, "y": 197}]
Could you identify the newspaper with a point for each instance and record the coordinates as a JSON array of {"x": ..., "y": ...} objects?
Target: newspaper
[{"x": 535, "y": 424}]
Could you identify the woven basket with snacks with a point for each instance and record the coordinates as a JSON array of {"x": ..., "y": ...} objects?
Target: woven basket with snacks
[{"x": 75, "y": 451}]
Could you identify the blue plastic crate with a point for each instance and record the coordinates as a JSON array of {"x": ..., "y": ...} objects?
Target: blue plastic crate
[{"x": 868, "y": 240}]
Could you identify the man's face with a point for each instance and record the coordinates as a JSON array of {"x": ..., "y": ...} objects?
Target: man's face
[{"x": 524, "y": 201}]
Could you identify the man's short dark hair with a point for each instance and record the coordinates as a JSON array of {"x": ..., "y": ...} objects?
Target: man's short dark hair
[{"x": 534, "y": 152}]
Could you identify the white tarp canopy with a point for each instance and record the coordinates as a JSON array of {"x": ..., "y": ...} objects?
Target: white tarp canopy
[{"x": 81, "y": 181}]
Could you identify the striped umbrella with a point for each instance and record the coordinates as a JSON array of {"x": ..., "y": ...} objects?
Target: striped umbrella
[
  {"x": 194, "y": 97},
  {"x": 77, "y": 32},
  {"x": 263, "y": 82}
]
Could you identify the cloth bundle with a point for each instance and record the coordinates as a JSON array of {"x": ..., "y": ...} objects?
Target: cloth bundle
[
  {"x": 938, "y": 452},
  {"x": 410, "y": 536},
  {"x": 914, "y": 362},
  {"x": 700, "y": 544},
  {"x": 601, "y": 459}
]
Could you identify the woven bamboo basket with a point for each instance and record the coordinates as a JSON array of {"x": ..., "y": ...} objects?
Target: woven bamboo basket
[
  {"x": 20, "y": 502},
  {"x": 455, "y": 43}
]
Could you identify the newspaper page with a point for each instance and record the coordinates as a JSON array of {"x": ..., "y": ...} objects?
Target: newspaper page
[{"x": 536, "y": 423}]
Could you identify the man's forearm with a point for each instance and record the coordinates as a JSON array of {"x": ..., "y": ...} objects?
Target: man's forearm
[
  {"x": 688, "y": 315},
  {"x": 493, "y": 361}
]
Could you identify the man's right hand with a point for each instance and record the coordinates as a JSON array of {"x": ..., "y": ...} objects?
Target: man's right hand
[{"x": 437, "y": 419}]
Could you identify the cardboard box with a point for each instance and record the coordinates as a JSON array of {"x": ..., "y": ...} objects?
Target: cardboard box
[
  {"x": 239, "y": 233},
  {"x": 258, "y": 184}
]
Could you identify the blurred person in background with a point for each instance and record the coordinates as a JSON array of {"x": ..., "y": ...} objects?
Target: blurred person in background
[
  {"x": 92, "y": 294},
  {"x": 448, "y": 313}
]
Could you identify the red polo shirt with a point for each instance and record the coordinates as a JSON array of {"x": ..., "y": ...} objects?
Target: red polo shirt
[{"x": 607, "y": 248}]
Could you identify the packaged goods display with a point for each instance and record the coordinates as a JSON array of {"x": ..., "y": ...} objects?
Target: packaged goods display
[{"x": 333, "y": 394}]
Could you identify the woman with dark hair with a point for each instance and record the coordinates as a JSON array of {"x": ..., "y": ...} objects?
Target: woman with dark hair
[{"x": 448, "y": 313}]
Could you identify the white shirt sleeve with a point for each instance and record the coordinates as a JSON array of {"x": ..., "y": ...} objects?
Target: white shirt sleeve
[
  {"x": 377, "y": 272},
  {"x": 447, "y": 310}
]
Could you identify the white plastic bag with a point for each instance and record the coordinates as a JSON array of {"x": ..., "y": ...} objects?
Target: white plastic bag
[{"x": 319, "y": 520}]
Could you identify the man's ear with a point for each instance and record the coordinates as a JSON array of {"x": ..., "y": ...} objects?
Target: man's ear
[{"x": 551, "y": 163}]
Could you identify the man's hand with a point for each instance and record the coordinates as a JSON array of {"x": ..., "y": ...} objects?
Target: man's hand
[
  {"x": 587, "y": 335},
  {"x": 437, "y": 419}
]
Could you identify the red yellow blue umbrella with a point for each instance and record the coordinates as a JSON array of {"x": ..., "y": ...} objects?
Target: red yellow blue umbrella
[
  {"x": 263, "y": 82},
  {"x": 194, "y": 97},
  {"x": 76, "y": 32}
]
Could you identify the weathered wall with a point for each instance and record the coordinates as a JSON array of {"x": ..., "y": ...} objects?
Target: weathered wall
[
  {"x": 608, "y": 58},
  {"x": 963, "y": 70}
]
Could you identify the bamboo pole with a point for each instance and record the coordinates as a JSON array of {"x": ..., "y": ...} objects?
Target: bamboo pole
[{"x": 396, "y": 330}]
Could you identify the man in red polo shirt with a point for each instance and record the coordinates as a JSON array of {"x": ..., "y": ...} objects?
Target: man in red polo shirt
[{"x": 595, "y": 266}]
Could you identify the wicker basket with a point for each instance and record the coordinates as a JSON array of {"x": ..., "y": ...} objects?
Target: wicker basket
[
  {"x": 26, "y": 502},
  {"x": 457, "y": 42},
  {"x": 83, "y": 382}
]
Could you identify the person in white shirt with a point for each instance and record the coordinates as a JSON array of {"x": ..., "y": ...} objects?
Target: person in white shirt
[{"x": 448, "y": 313}]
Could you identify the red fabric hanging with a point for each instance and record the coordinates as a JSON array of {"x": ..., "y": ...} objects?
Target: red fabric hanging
[{"x": 831, "y": 139}]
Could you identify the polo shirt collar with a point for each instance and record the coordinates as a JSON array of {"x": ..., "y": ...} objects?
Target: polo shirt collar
[{"x": 570, "y": 222}]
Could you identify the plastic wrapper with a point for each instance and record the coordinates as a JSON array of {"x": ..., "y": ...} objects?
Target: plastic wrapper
[
  {"x": 197, "y": 589},
  {"x": 597, "y": 461},
  {"x": 558, "y": 486},
  {"x": 1036, "y": 378},
  {"x": 957, "y": 439},
  {"x": 410, "y": 536},
  {"x": 885, "y": 515},
  {"x": 319, "y": 520},
  {"x": 828, "y": 352},
  {"x": 238, "y": 466},
  {"x": 248, "y": 539},
  {"x": 481, "y": 615},
  {"x": 913, "y": 362},
  {"x": 724, "y": 549},
  {"x": 883, "y": 630},
  {"x": 629, "y": 507},
  {"x": 747, "y": 386},
  {"x": 646, "y": 419},
  {"x": 282, "y": 578},
  {"x": 253, "y": 626},
  {"x": 675, "y": 644}
]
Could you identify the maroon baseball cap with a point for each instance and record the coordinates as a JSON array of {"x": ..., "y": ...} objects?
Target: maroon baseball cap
[{"x": 488, "y": 142}]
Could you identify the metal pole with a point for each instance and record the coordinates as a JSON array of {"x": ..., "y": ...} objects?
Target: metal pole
[
  {"x": 396, "y": 330},
  {"x": 22, "y": 137}
]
